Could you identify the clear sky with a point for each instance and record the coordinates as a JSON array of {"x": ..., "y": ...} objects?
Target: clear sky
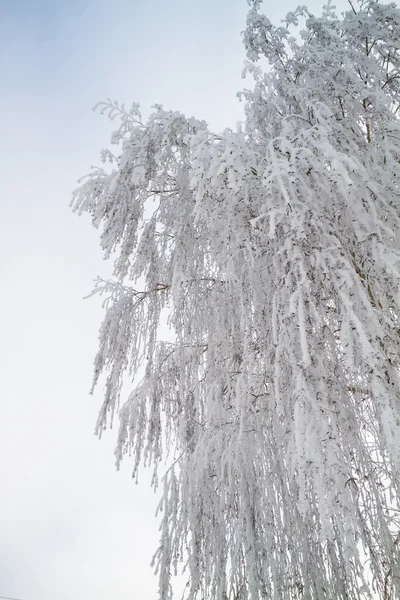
[{"x": 70, "y": 526}]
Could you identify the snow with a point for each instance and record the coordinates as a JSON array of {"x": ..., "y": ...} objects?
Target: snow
[{"x": 275, "y": 249}]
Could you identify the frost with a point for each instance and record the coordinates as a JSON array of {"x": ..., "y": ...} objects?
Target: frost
[{"x": 275, "y": 251}]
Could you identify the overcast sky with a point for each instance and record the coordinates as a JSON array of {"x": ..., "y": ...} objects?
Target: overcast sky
[{"x": 72, "y": 528}]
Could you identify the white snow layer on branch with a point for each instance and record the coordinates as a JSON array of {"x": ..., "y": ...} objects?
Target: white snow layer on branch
[{"x": 276, "y": 252}]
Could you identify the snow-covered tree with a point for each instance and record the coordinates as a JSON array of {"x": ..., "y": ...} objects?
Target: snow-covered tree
[{"x": 274, "y": 252}]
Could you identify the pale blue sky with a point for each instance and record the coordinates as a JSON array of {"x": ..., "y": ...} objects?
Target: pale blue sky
[{"x": 70, "y": 526}]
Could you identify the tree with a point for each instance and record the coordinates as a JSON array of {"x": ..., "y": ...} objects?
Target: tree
[{"x": 274, "y": 251}]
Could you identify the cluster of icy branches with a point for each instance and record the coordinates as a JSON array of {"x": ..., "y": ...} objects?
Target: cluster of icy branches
[{"x": 275, "y": 253}]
